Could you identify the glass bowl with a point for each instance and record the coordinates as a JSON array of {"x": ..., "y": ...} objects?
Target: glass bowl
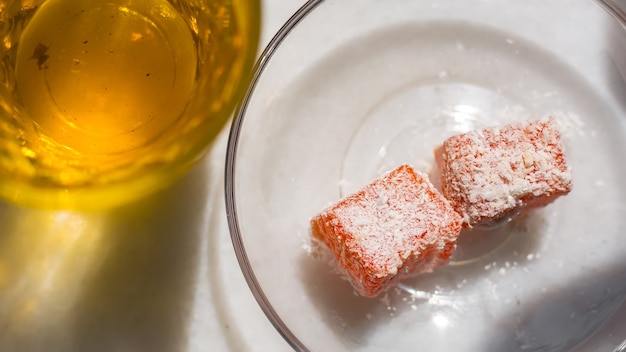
[{"x": 348, "y": 90}]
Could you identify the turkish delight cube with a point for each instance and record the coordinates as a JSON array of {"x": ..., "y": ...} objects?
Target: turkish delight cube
[
  {"x": 397, "y": 226},
  {"x": 493, "y": 174}
]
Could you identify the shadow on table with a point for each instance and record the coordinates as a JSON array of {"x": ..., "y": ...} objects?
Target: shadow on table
[{"x": 115, "y": 281}]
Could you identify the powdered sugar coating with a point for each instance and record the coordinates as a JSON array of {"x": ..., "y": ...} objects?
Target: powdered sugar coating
[
  {"x": 497, "y": 172},
  {"x": 397, "y": 226}
]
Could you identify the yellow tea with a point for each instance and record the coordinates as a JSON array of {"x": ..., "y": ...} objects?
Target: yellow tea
[
  {"x": 102, "y": 101},
  {"x": 108, "y": 78}
]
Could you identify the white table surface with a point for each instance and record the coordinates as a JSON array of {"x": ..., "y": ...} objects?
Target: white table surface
[
  {"x": 167, "y": 279},
  {"x": 156, "y": 276}
]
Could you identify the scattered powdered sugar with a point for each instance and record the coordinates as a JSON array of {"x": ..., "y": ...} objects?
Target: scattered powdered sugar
[{"x": 569, "y": 124}]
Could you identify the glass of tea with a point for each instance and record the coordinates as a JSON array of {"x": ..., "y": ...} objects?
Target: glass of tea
[{"x": 103, "y": 102}]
